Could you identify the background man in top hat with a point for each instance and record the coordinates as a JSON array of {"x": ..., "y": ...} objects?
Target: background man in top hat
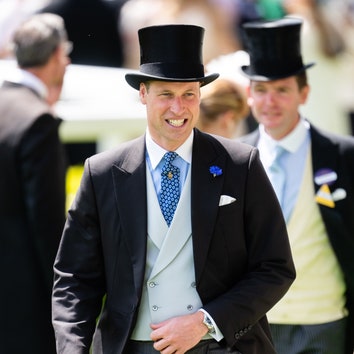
[
  {"x": 225, "y": 252},
  {"x": 314, "y": 179}
]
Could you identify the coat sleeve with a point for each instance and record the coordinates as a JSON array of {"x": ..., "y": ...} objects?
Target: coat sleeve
[{"x": 79, "y": 283}]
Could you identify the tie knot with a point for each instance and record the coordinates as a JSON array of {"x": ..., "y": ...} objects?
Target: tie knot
[
  {"x": 168, "y": 166},
  {"x": 170, "y": 156},
  {"x": 279, "y": 151}
]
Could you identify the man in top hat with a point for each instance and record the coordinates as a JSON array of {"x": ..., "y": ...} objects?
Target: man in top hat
[
  {"x": 198, "y": 279},
  {"x": 313, "y": 174}
]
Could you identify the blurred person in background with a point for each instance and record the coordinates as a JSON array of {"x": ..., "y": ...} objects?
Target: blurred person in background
[
  {"x": 92, "y": 26},
  {"x": 32, "y": 184},
  {"x": 12, "y": 13},
  {"x": 312, "y": 172},
  {"x": 223, "y": 108},
  {"x": 229, "y": 66},
  {"x": 327, "y": 38},
  {"x": 220, "y": 35}
]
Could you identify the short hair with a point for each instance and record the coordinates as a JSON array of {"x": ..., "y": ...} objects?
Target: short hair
[
  {"x": 37, "y": 38},
  {"x": 301, "y": 79}
]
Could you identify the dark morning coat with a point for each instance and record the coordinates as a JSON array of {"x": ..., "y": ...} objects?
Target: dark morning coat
[
  {"x": 243, "y": 263},
  {"x": 32, "y": 216},
  {"x": 337, "y": 154}
]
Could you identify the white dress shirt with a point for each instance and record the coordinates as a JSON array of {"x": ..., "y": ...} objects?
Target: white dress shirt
[
  {"x": 154, "y": 159},
  {"x": 25, "y": 78}
]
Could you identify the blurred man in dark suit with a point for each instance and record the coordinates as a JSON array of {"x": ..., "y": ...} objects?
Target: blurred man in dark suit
[{"x": 32, "y": 185}]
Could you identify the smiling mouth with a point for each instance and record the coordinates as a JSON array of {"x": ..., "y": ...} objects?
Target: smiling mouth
[{"x": 175, "y": 122}]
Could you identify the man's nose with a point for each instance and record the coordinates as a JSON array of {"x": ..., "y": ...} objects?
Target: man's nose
[{"x": 177, "y": 106}]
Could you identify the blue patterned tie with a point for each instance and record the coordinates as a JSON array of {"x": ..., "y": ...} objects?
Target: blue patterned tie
[
  {"x": 170, "y": 192},
  {"x": 277, "y": 174}
]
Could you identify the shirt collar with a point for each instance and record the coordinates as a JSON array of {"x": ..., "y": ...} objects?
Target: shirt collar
[
  {"x": 156, "y": 152},
  {"x": 290, "y": 142},
  {"x": 25, "y": 78}
]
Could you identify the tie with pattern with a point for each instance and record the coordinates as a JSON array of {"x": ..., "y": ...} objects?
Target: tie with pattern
[
  {"x": 277, "y": 174},
  {"x": 170, "y": 192}
]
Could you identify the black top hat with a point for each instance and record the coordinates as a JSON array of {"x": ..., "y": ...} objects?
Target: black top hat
[
  {"x": 170, "y": 53},
  {"x": 274, "y": 49}
]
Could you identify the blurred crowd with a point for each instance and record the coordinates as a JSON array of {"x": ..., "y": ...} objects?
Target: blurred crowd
[{"x": 104, "y": 33}]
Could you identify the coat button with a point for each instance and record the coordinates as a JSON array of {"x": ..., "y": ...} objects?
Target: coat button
[
  {"x": 155, "y": 308},
  {"x": 152, "y": 284},
  {"x": 190, "y": 307}
]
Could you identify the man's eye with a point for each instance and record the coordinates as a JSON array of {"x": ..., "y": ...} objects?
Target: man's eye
[{"x": 259, "y": 89}]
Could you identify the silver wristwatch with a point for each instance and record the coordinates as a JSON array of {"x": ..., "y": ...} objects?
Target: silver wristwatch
[{"x": 208, "y": 323}]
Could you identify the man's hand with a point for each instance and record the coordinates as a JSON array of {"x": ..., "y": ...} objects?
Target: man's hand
[{"x": 178, "y": 334}]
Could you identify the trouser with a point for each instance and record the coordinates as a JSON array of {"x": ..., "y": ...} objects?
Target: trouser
[
  {"x": 326, "y": 338},
  {"x": 203, "y": 347}
]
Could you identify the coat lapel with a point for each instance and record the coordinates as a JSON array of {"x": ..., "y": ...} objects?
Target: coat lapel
[
  {"x": 129, "y": 179},
  {"x": 205, "y": 194},
  {"x": 327, "y": 161},
  {"x": 322, "y": 160}
]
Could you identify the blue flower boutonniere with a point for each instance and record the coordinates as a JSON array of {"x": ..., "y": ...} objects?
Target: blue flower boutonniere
[{"x": 215, "y": 171}]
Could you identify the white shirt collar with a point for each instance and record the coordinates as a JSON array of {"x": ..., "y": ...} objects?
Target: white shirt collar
[
  {"x": 24, "y": 77},
  {"x": 156, "y": 152},
  {"x": 290, "y": 142}
]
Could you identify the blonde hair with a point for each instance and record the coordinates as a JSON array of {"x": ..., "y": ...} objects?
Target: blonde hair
[{"x": 221, "y": 96}]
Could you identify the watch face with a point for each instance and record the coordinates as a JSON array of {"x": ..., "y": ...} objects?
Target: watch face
[{"x": 209, "y": 324}]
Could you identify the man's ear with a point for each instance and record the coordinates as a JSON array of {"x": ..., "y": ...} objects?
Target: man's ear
[
  {"x": 304, "y": 94},
  {"x": 249, "y": 98},
  {"x": 57, "y": 52},
  {"x": 142, "y": 93},
  {"x": 248, "y": 90}
]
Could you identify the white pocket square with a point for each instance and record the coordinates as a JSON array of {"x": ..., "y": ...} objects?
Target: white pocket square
[{"x": 226, "y": 199}]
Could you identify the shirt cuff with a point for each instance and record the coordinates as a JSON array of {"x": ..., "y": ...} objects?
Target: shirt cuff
[{"x": 217, "y": 335}]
